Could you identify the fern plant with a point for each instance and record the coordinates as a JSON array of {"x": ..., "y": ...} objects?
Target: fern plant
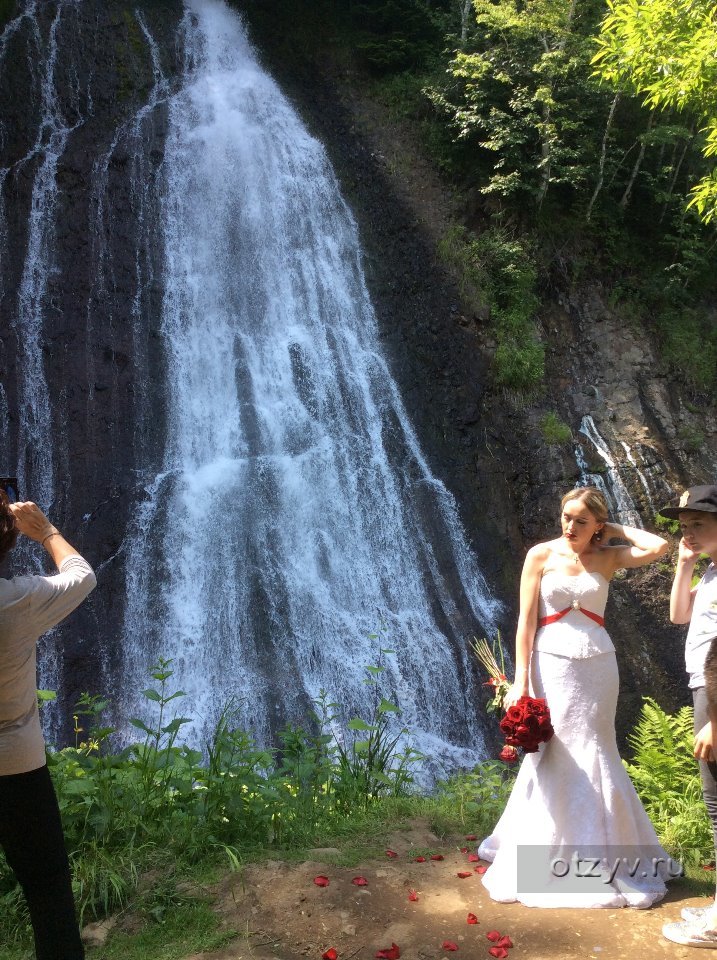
[{"x": 667, "y": 779}]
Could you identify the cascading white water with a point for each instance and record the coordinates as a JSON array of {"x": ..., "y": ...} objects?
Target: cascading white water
[
  {"x": 295, "y": 516},
  {"x": 621, "y": 504},
  {"x": 35, "y": 465},
  {"x": 650, "y": 472}
]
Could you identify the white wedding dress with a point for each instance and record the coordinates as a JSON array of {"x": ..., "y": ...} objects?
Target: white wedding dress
[{"x": 574, "y": 833}]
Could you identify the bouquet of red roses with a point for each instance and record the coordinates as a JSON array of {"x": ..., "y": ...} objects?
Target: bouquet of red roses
[{"x": 527, "y": 724}]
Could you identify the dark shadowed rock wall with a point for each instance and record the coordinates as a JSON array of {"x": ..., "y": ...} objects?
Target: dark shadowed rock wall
[{"x": 81, "y": 134}]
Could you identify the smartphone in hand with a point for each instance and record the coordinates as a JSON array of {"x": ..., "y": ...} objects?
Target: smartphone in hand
[{"x": 9, "y": 486}]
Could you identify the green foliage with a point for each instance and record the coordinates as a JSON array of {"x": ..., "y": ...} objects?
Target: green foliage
[
  {"x": 393, "y": 35},
  {"x": 157, "y": 803},
  {"x": 666, "y": 51},
  {"x": 499, "y": 268},
  {"x": 373, "y": 761},
  {"x": 688, "y": 344},
  {"x": 478, "y": 798},
  {"x": 666, "y": 525},
  {"x": 555, "y": 432},
  {"x": 521, "y": 91},
  {"x": 666, "y": 777},
  {"x": 692, "y": 439}
]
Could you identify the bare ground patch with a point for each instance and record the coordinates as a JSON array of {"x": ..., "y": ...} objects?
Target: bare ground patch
[{"x": 280, "y": 914}]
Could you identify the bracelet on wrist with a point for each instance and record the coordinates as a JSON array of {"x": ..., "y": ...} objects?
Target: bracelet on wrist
[{"x": 55, "y": 533}]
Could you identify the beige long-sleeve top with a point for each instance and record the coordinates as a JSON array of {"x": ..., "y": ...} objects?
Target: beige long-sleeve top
[{"x": 29, "y": 606}]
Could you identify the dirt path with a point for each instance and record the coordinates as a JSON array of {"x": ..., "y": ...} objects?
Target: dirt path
[{"x": 281, "y": 914}]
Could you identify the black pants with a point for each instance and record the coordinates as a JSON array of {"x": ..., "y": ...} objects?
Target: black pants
[
  {"x": 708, "y": 771},
  {"x": 31, "y": 836}
]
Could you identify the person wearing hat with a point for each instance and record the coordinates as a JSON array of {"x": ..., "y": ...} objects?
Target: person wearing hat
[{"x": 697, "y": 515}]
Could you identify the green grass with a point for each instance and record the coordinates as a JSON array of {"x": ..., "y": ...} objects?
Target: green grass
[
  {"x": 555, "y": 432},
  {"x": 185, "y": 927},
  {"x": 174, "y": 923}
]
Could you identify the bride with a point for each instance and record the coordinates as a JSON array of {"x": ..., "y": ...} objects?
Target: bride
[{"x": 574, "y": 833}]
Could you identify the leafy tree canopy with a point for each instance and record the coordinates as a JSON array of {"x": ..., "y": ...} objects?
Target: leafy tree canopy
[{"x": 666, "y": 51}]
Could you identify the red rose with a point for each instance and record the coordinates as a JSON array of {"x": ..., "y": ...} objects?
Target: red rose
[
  {"x": 508, "y": 754},
  {"x": 527, "y": 724}
]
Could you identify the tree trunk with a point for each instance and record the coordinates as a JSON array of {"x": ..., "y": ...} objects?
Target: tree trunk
[
  {"x": 675, "y": 173},
  {"x": 466, "y": 8},
  {"x": 603, "y": 155},
  {"x": 625, "y": 199}
]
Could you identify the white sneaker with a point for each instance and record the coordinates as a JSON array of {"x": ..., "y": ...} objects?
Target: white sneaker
[
  {"x": 695, "y": 913},
  {"x": 690, "y": 933}
]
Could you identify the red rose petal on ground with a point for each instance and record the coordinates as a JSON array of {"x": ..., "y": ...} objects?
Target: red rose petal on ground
[
  {"x": 390, "y": 953},
  {"x": 494, "y": 935},
  {"x": 463, "y": 874},
  {"x": 473, "y": 858},
  {"x": 321, "y": 881},
  {"x": 708, "y": 866},
  {"x": 330, "y": 954},
  {"x": 499, "y": 952},
  {"x": 464, "y": 849},
  {"x": 391, "y": 854},
  {"x": 471, "y": 836},
  {"x": 471, "y": 918},
  {"x": 419, "y": 859},
  {"x": 437, "y": 856},
  {"x": 360, "y": 882},
  {"x": 412, "y": 895},
  {"x": 481, "y": 869},
  {"x": 449, "y": 945},
  {"x": 505, "y": 942}
]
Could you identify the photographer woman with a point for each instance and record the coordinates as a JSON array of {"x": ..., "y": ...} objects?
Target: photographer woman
[{"x": 30, "y": 827}]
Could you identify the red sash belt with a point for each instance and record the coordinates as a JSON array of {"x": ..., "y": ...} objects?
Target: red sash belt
[{"x": 544, "y": 621}]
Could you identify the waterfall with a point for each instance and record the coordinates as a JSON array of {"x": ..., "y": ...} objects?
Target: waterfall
[
  {"x": 650, "y": 472},
  {"x": 294, "y": 528},
  {"x": 609, "y": 482}
]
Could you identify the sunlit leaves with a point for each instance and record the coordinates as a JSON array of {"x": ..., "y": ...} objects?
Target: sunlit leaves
[
  {"x": 520, "y": 94},
  {"x": 666, "y": 51}
]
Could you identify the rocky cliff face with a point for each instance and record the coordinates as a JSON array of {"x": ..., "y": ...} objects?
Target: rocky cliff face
[
  {"x": 87, "y": 423},
  {"x": 82, "y": 122}
]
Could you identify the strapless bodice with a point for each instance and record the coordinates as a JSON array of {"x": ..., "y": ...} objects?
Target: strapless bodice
[
  {"x": 559, "y": 590},
  {"x": 574, "y": 635}
]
